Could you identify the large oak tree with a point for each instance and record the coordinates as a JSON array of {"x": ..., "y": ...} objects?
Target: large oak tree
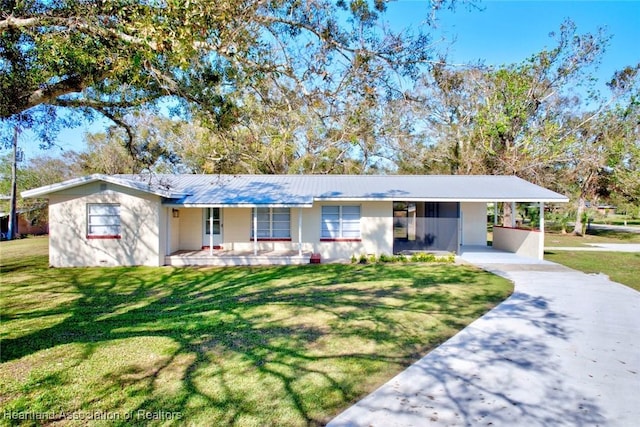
[{"x": 61, "y": 57}]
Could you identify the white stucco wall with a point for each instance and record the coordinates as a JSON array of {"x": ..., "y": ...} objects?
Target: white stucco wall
[
  {"x": 236, "y": 226},
  {"x": 474, "y": 224},
  {"x": 376, "y": 226},
  {"x": 522, "y": 242},
  {"x": 191, "y": 223},
  {"x": 141, "y": 215},
  {"x": 174, "y": 230},
  {"x": 376, "y": 231}
]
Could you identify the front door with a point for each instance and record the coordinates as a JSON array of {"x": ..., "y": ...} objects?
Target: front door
[{"x": 212, "y": 217}]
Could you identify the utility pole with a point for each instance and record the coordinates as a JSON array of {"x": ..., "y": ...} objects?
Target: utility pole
[{"x": 13, "y": 211}]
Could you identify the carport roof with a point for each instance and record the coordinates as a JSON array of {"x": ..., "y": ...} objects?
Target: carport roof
[{"x": 303, "y": 190}]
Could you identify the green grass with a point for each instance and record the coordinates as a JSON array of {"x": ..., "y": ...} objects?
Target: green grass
[
  {"x": 617, "y": 220},
  {"x": 285, "y": 346},
  {"x": 621, "y": 267},
  {"x": 557, "y": 239}
]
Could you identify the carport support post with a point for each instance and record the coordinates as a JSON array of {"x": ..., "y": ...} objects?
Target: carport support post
[
  {"x": 255, "y": 231},
  {"x": 541, "y": 227},
  {"x": 211, "y": 232},
  {"x": 299, "y": 232}
]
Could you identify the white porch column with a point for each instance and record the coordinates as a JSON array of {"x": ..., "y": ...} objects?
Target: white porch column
[
  {"x": 211, "y": 232},
  {"x": 299, "y": 232},
  {"x": 541, "y": 240},
  {"x": 167, "y": 243},
  {"x": 255, "y": 231},
  {"x": 513, "y": 214},
  {"x": 495, "y": 213}
]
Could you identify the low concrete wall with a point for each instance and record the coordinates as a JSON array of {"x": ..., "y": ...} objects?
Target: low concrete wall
[{"x": 517, "y": 240}]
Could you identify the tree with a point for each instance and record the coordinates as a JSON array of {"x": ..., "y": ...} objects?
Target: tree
[
  {"x": 515, "y": 119},
  {"x": 605, "y": 148},
  {"x": 66, "y": 61},
  {"x": 37, "y": 172}
]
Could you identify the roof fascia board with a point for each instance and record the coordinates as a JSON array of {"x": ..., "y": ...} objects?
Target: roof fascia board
[
  {"x": 236, "y": 205},
  {"x": 441, "y": 199},
  {"x": 78, "y": 182}
]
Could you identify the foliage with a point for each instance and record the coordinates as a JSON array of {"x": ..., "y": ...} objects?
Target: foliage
[
  {"x": 541, "y": 120},
  {"x": 62, "y": 62},
  {"x": 420, "y": 257},
  {"x": 285, "y": 345},
  {"x": 38, "y": 172}
]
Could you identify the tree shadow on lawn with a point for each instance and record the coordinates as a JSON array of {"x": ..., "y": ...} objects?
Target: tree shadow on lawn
[
  {"x": 234, "y": 344},
  {"x": 497, "y": 372}
]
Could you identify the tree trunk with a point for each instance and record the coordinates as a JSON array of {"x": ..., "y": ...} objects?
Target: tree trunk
[
  {"x": 578, "y": 228},
  {"x": 507, "y": 215}
]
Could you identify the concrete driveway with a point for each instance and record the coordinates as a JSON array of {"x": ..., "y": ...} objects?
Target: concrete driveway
[{"x": 563, "y": 350}]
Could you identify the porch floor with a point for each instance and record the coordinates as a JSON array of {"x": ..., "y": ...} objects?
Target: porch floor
[{"x": 223, "y": 257}]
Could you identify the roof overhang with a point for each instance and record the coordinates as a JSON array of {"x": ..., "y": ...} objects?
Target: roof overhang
[
  {"x": 237, "y": 205},
  {"x": 77, "y": 182},
  {"x": 441, "y": 199}
]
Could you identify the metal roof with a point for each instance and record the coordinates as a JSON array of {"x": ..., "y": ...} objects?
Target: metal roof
[
  {"x": 136, "y": 182},
  {"x": 303, "y": 190}
]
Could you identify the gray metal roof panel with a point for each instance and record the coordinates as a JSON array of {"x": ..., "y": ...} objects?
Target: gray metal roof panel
[{"x": 302, "y": 190}]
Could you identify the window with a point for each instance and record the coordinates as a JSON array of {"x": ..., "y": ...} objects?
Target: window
[
  {"x": 340, "y": 222},
  {"x": 273, "y": 223},
  {"x": 103, "y": 221}
]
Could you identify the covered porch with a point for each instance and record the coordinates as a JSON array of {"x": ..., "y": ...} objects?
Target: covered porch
[{"x": 222, "y": 257}]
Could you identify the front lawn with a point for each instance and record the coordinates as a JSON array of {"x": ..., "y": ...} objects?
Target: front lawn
[
  {"x": 621, "y": 267},
  {"x": 285, "y": 346},
  {"x": 556, "y": 239}
]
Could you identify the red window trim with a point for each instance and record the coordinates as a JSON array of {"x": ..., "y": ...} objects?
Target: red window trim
[
  {"x": 326, "y": 239},
  {"x": 273, "y": 239},
  {"x": 535, "y": 230},
  {"x": 106, "y": 237}
]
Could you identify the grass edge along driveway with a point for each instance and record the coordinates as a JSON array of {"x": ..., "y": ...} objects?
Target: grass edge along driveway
[
  {"x": 621, "y": 267},
  {"x": 286, "y": 346}
]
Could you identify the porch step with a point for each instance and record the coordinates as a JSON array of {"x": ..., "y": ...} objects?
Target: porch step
[{"x": 183, "y": 261}]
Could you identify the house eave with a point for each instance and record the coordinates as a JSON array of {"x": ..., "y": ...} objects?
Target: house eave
[
  {"x": 237, "y": 205},
  {"x": 439, "y": 199},
  {"x": 44, "y": 191}
]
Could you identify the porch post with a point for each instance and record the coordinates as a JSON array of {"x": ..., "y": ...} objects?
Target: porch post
[
  {"x": 211, "y": 232},
  {"x": 495, "y": 213},
  {"x": 513, "y": 214},
  {"x": 167, "y": 250},
  {"x": 255, "y": 231},
  {"x": 299, "y": 232},
  {"x": 541, "y": 240}
]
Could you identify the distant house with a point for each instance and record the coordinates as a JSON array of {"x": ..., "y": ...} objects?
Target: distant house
[
  {"x": 273, "y": 219},
  {"x": 27, "y": 223}
]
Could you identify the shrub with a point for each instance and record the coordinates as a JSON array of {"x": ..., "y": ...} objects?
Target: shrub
[
  {"x": 386, "y": 258},
  {"x": 423, "y": 257}
]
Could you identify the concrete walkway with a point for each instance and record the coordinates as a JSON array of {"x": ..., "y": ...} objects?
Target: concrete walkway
[{"x": 563, "y": 350}]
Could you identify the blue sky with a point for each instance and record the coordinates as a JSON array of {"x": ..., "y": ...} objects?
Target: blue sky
[
  {"x": 504, "y": 32},
  {"x": 501, "y": 32}
]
